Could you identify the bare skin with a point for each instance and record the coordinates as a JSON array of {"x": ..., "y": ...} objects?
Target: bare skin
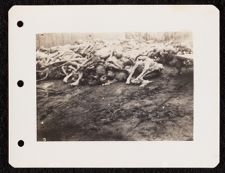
[
  {"x": 80, "y": 75},
  {"x": 148, "y": 65}
]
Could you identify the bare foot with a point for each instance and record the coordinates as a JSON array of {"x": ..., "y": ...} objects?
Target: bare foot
[
  {"x": 137, "y": 81},
  {"x": 128, "y": 82},
  {"x": 65, "y": 80},
  {"x": 74, "y": 83},
  {"x": 105, "y": 84},
  {"x": 144, "y": 83}
]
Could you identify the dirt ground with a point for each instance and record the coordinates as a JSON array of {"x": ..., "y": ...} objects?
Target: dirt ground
[{"x": 163, "y": 110}]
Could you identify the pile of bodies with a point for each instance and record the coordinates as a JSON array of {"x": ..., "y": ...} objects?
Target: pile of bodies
[{"x": 103, "y": 63}]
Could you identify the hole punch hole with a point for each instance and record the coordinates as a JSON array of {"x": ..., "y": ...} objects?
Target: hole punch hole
[
  {"x": 20, "y": 83},
  {"x": 20, "y": 23},
  {"x": 20, "y": 143}
]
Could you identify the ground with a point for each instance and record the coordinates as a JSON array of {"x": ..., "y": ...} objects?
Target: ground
[{"x": 163, "y": 110}]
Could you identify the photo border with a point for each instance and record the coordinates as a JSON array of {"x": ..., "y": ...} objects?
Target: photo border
[{"x": 4, "y": 72}]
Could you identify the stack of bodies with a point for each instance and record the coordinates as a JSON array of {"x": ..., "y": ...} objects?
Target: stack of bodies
[{"x": 103, "y": 63}]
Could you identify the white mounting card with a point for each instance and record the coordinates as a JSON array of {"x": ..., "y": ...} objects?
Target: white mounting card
[{"x": 50, "y": 140}]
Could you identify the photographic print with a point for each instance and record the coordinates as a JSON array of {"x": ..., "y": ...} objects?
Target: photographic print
[
  {"x": 132, "y": 87},
  {"x": 127, "y": 86}
]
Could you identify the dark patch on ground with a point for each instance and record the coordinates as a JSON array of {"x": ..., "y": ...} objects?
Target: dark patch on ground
[{"x": 163, "y": 110}]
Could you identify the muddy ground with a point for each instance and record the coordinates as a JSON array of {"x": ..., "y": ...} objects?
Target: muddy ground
[{"x": 163, "y": 110}]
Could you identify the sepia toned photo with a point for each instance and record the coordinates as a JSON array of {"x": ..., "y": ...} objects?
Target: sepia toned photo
[
  {"x": 131, "y": 89},
  {"x": 127, "y": 86}
]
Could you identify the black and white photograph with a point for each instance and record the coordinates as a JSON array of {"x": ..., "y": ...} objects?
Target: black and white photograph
[
  {"x": 127, "y": 86},
  {"x": 114, "y": 86}
]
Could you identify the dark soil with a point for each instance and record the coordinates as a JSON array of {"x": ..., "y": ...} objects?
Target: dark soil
[{"x": 163, "y": 110}]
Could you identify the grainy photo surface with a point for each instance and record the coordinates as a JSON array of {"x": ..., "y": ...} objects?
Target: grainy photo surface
[{"x": 114, "y": 86}]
